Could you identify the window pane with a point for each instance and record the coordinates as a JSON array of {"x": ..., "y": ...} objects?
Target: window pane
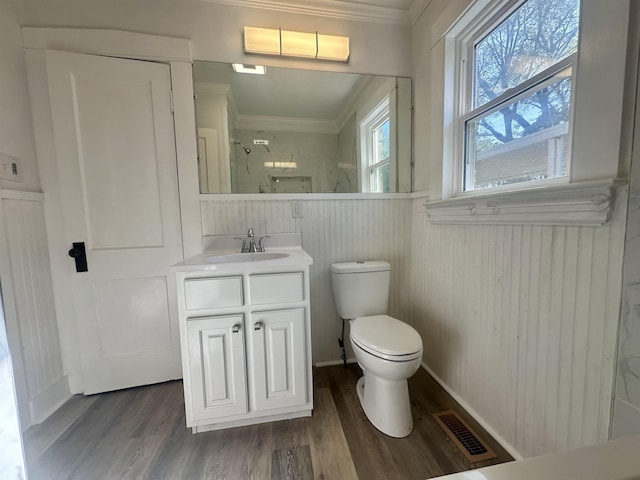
[
  {"x": 533, "y": 38},
  {"x": 521, "y": 141},
  {"x": 381, "y": 143},
  {"x": 379, "y": 179}
]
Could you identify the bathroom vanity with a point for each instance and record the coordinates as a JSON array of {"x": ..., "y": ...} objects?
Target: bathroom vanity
[{"x": 245, "y": 333}]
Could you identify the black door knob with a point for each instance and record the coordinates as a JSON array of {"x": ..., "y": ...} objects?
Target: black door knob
[{"x": 79, "y": 253}]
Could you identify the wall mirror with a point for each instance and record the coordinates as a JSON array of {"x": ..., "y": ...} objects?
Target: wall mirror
[{"x": 301, "y": 131}]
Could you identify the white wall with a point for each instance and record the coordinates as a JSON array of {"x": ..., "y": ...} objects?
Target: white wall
[
  {"x": 626, "y": 417},
  {"x": 520, "y": 322},
  {"x": 29, "y": 304},
  {"x": 26, "y": 274},
  {"x": 216, "y": 30},
  {"x": 16, "y": 134}
]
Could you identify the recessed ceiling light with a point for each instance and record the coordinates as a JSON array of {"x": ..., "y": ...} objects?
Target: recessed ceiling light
[{"x": 253, "y": 69}]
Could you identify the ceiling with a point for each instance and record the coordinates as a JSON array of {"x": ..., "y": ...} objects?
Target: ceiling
[{"x": 284, "y": 92}]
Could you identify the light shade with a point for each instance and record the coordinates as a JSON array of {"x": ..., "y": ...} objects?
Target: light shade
[
  {"x": 262, "y": 40},
  {"x": 271, "y": 41},
  {"x": 298, "y": 44},
  {"x": 332, "y": 47}
]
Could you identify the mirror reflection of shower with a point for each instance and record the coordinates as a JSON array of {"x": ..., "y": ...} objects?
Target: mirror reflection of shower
[{"x": 246, "y": 149}]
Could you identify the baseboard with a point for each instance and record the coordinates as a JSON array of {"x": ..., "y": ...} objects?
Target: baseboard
[
  {"x": 49, "y": 400},
  {"x": 334, "y": 362},
  {"x": 498, "y": 438}
]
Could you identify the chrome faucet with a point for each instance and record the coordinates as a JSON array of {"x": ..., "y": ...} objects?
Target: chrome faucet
[
  {"x": 249, "y": 244},
  {"x": 252, "y": 243}
]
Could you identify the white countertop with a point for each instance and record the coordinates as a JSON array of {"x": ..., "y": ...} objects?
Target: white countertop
[
  {"x": 295, "y": 256},
  {"x": 615, "y": 460}
]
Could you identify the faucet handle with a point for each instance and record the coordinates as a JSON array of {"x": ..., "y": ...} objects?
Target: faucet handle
[
  {"x": 261, "y": 244},
  {"x": 243, "y": 248},
  {"x": 250, "y": 232}
]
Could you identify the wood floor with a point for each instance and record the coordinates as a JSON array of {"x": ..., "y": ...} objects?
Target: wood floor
[{"x": 140, "y": 433}]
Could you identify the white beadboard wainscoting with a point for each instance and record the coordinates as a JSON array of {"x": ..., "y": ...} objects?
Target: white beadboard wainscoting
[
  {"x": 29, "y": 306},
  {"x": 521, "y": 322},
  {"x": 332, "y": 231}
]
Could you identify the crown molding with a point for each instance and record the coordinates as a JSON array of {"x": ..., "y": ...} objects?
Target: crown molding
[
  {"x": 286, "y": 124},
  {"x": 328, "y": 8},
  {"x": 416, "y": 9}
]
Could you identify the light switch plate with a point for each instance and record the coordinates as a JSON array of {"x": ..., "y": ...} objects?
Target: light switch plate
[
  {"x": 10, "y": 168},
  {"x": 297, "y": 209}
]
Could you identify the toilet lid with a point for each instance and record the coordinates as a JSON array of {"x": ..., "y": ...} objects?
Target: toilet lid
[{"x": 385, "y": 335}]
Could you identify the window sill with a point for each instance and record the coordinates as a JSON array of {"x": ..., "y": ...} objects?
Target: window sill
[{"x": 583, "y": 204}]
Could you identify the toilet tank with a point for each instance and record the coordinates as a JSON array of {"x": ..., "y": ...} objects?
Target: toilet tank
[{"x": 360, "y": 289}]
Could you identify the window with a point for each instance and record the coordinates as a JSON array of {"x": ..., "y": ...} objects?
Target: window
[
  {"x": 376, "y": 151},
  {"x": 515, "y": 95}
]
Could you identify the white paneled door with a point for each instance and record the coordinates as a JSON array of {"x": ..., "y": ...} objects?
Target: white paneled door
[{"x": 116, "y": 164}]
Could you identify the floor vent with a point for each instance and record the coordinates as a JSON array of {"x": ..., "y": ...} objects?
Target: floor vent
[{"x": 463, "y": 437}]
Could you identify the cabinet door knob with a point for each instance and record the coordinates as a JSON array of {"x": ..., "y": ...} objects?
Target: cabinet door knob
[
  {"x": 257, "y": 326},
  {"x": 236, "y": 328}
]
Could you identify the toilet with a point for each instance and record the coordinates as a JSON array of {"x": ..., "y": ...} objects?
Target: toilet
[{"x": 388, "y": 351}]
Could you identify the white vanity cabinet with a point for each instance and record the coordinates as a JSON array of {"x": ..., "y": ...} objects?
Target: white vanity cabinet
[
  {"x": 277, "y": 348},
  {"x": 246, "y": 343},
  {"x": 216, "y": 354}
]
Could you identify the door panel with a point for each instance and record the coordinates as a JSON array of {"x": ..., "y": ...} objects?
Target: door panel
[
  {"x": 117, "y": 160},
  {"x": 278, "y": 358},
  {"x": 115, "y": 149},
  {"x": 138, "y": 306},
  {"x": 217, "y": 364}
]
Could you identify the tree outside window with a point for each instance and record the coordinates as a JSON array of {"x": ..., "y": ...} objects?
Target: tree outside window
[{"x": 516, "y": 127}]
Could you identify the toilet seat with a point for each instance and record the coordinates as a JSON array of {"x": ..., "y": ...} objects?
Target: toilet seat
[{"x": 386, "y": 337}]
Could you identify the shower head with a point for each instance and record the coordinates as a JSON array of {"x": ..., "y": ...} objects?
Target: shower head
[{"x": 246, "y": 149}]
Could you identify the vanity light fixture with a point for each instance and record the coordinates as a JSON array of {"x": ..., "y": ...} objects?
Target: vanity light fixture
[
  {"x": 246, "y": 68},
  {"x": 271, "y": 41}
]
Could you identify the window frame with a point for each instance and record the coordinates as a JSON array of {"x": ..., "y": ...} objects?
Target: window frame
[
  {"x": 461, "y": 48},
  {"x": 382, "y": 113}
]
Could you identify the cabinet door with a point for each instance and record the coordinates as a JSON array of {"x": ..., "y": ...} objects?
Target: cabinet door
[
  {"x": 278, "y": 358},
  {"x": 217, "y": 367}
]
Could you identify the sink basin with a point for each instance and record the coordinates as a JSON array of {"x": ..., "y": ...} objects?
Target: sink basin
[{"x": 246, "y": 257}]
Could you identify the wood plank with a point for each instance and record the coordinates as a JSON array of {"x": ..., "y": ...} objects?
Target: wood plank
[
  {"x": 370, "y": 454},
  {"x": 329, "y": 450},
  {"x": 136, "y": 457},
  {"x": 292, "y": 463},
  {"x": 40, "y": 437},
  {"x": 260, "y": 446}
]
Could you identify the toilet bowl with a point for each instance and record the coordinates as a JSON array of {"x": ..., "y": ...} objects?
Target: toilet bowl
[{"x": 388, "y": 350}]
